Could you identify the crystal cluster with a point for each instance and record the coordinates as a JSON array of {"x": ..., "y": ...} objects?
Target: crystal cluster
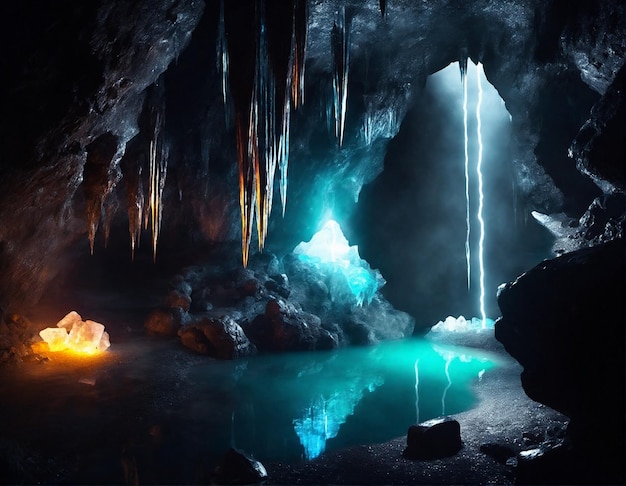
[{"x": 72, "y": 333}]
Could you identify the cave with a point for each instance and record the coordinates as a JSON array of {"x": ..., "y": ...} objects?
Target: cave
[{"x": 313, "y": 242}]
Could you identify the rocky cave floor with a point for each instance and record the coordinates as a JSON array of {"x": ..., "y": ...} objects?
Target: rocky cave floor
[{"x": 142, "y": 377}]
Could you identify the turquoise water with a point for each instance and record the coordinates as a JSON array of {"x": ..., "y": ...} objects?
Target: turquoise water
[{"x": 291, "y": 407}]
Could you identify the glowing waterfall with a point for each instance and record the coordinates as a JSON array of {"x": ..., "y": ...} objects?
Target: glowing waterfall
[
  {"x": 463, "y": 67},
  {"x": 481, "y": 221},
  {"x": 340, "y": 45},
  {"x": 463, "y": 63}
]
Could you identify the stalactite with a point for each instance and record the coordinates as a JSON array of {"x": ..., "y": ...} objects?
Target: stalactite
[
  {"x": 263, "y": 106},
  {"x": 299, "y": 38},
  {"x": 109, "y": 210},
  {"x": 340, "y": 45},
  {"x": 223, "y": 61},
  {"x": 99, "y": 177},
  {"x": 247, "y": 191},
  {"x": 135, "y": 200},
  {"x": 262, "y": 144},
  {"x": 157, "y": 163}
]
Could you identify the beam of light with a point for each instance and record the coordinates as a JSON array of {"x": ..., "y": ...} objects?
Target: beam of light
[
  {"x": 481, "y": 222},
  {"x": 417, "y": 393},
  {"x": 463, "y": 67},
  {"x": 445, "y": 391}
]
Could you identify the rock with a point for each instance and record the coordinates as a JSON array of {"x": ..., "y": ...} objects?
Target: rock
[
  {"x": 433, "y": 439},
  {"x": 280, "y": 288},
  {"x": 175, "y": 298},
  {"x": 249, "y": 288},
  {"x": 236, "y": 467},
  {"x": 599, "y": 146},
  {"x": 180, "y": 284},
  {"x": 563, "y": 321},
  {"x": 219, "y": 338},
  {"x": 284, "y": 328},
  {"x": 162, "y": 322}
]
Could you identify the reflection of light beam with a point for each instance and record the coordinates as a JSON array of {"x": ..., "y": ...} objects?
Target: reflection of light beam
[
  {"x": 481, "y": 221},
  {"x": 445, "y": 391},
  {"x": 467, "y": 195},
  {"x": 417, "y": 394}
]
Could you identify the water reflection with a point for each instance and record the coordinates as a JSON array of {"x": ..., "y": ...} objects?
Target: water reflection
[{"x": 296, "y": 406}]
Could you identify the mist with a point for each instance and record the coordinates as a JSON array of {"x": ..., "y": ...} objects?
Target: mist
[{"x": 412, "y": 218}]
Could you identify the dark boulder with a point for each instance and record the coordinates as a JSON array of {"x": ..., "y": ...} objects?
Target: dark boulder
[
  {"x": 219, "y": 338},
  {"x": 236, "y": 467},
  {"x": 433, "y": 439},
  {"x": 564, "y": 322},
  {"x": 283, "y": 327}
]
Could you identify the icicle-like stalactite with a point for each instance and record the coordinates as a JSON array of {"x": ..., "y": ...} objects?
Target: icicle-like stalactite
[
  {"x": 247, "y": 191},
  {"x": 262, "y": 136},
  {"x": 479, "y": 173},
  {"x": 463, "y": 68},
  {"x": 100, "y": 175},
  {"x": 136, "y": 199},
  {"x": 283, "y": 149},
  {"x": 109, "y": 210},
  {"x": 157, "y": 164},
  {"x": 132, "y": 167},
  {"x": 340, "y": 45},
  {"x": 222, "y": 61},
  {"x": 263, "y": 98},
  {"x": 300, "y": 23}
]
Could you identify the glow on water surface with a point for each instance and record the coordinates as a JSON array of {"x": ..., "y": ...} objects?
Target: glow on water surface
[{"x": 296, "y": 406}]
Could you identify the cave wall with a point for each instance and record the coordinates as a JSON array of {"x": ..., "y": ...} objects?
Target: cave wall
[{"x": 95, "y": 78}]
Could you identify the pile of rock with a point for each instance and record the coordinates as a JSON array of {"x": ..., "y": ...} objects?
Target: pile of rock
[{"x": 285, "y": 304}]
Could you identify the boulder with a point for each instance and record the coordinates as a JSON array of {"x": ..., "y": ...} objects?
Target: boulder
[
  {"x": 283, "y": 327},
  {"x": 564, "y": 322},
  {"x": 237, "y": 467},
  {"x": 433, "y": 439},
  {"x": 219, "y": 338}
]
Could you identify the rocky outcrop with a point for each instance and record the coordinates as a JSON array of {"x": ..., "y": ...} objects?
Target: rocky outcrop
[
  {"x": 599, "y": 148},
  {"x": 225, "y": 311},
  {"x": 564, "y": 321}
]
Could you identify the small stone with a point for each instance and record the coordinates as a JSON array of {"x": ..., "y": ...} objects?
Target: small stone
[{"x": 436, "y": 438}]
